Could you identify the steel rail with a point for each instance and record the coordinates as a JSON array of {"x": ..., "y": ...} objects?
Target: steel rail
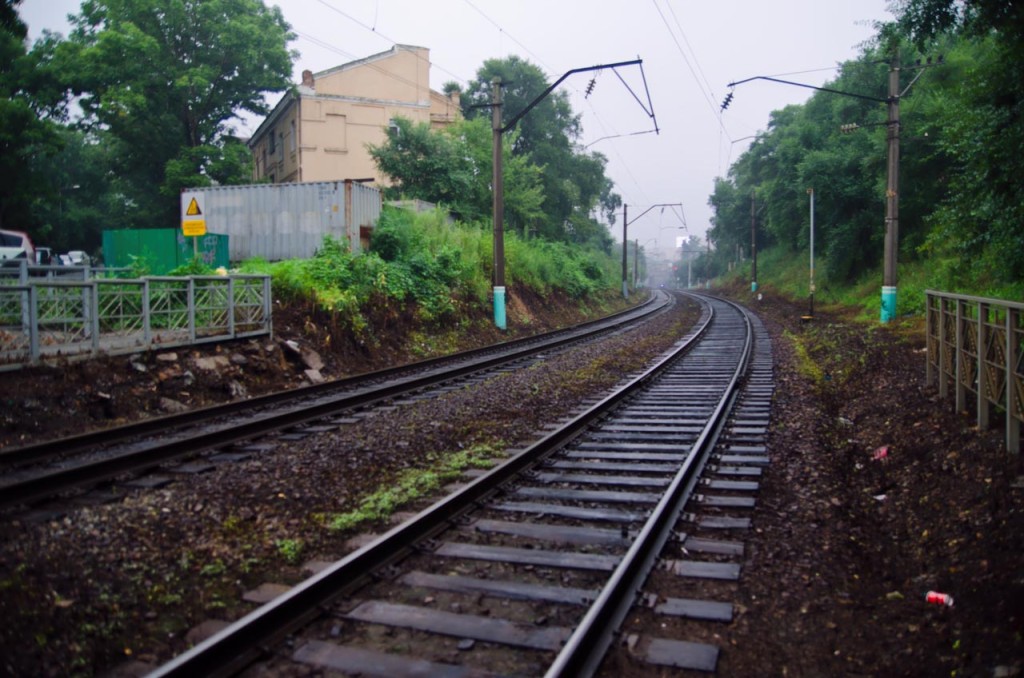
[
  {"x": 239, "y": 643},
  {"x": 586, "y": 647},
  {"x": 71, "y": 445},
  {"x": 150, "y": 455}
]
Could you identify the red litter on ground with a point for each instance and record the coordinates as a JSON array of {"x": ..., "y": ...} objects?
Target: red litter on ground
[
  {"x": 881, "y": 453},
  {"x": 939, "y": 598}
]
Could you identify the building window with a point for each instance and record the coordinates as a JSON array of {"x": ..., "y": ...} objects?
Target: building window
[
  {"x": 273, "y": 143},
  {"x": 280, "y": 141},
  {"x": 393, "y": 127},
  {"x": 293, "y": 143}
]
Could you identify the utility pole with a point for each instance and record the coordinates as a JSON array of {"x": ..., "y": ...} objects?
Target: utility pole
[
  {"x": 625, "y": 240},
  {"x": 625, "y": 226},
  {"x": 753, "y": 245},
  {"x": 498, "y": 189},
  {"x": 892, "y": 203},
  {"x": 636, "y": 261},
  {"x": 810, "y": 192},
  {"x": 498, "y": 181},
  {"x": 892, "y": 102}
]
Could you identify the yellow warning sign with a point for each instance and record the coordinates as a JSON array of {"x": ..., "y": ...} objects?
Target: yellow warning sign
[
  {"x": 193, "y": 227},
  {"x": 193, "y": 213}
]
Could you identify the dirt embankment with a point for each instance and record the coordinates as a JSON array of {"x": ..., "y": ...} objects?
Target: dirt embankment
[
  {"x": 878, "y": 493},
  {"x": 64, "y": 399}
]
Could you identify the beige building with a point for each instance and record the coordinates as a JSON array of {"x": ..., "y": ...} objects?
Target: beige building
[{"x": 320, "y": 129}]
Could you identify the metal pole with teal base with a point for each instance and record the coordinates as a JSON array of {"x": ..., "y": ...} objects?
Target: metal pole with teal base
[
  {"x": 499, "y": 307},
  {"x": 753, "y": 286},
  {"x": 888, "y": 303}
]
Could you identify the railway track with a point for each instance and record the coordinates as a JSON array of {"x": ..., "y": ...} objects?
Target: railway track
[
  {"x": 540, "y": 566},
  {"x": 44, "y": 470}
]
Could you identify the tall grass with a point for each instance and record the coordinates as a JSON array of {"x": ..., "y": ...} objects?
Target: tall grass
[{"x": 789, "y": 273}]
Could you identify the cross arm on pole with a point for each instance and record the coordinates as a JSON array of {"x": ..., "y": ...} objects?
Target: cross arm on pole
[
  {"x": 820, "y": 89},
  {"x": 529, "y": 107},
  {"x": 661, "y": 204}
]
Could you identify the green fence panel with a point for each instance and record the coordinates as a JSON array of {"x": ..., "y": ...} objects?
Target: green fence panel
[
  {"x": 162, "y": 250},
  {"x": 212, "y": 248}
]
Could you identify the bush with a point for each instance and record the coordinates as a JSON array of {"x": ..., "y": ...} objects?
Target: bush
[{"x": 437, "y": 266}]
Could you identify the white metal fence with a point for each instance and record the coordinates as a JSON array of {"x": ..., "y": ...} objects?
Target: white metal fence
[
  {"x": 47, "y": 318},
  {"x": 976, "y": 347}
]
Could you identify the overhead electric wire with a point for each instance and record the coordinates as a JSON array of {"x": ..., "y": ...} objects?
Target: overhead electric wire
[
  {"x": 714, "y": 109},
  {"x": 812, "y": 70},
  {"x": 374, "y": 30},
  {"x": 692, "y": 51},
  {"x": 337, "y": 50},
  {"x": 507, "y": 34},
  {"x": 547, "y": 70}
]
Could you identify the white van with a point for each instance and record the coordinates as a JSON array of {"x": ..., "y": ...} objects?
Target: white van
[{"x": 16, "y": 245}]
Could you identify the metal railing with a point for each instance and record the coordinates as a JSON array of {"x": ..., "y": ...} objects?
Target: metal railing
[
  {"x": 50, "y": 318},
  {"x": 976, "y": 348},
  {"x": 19, "y": 272}
]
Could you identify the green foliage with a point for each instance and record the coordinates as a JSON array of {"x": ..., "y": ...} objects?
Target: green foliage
[
  {"x": 140, "y": 267},
  {"x": 453, "y": 168},
  {"x": 217, "y": 567},
  {"x": 194, "y": 267},
  {"x": 438, "y": 268},
  {"x": 290, "y": 550},
  {"x": 427, "y": 165},
  {"x": 548, "y": 265},
  {"x": 82, "y": 193},
  {"x": 414, "y": 484},
  {"x": 27, "y": 129},
  {"x": 961, "y": 203},
  {"x": 523, "y": 180},
  {"x": 573, "y": 182},
  {"x": 162, "y": 79},
  {"x": 782, "y": 273}
]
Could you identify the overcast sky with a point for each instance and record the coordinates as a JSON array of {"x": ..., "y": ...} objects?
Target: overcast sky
[{"x": 691, "y": 49}]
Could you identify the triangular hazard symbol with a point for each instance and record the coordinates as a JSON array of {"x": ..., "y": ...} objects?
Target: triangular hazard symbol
[{"x": 193, "y": 209}]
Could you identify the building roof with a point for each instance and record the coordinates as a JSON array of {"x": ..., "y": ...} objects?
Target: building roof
[
  {"x": 368, "y": 60},
  {"x": 302, "y": 90}
]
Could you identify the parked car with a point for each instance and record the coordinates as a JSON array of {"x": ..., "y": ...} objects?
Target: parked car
[
  {"x": 45, "y": 256},
  {"x": 16, "y": 245},
  {"x": 78, "y": 258}
]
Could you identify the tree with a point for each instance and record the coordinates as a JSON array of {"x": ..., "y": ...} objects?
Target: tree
[
  {"x": 574, "y": 184},
  {"x": 523, "y": 181},
  {"x": 452, "y": 167},
  {"x": 425, "y": 165},
  {"x": 977, "y": 229},
  {"x": 550, "y": 123},
  {"x": 84, "y": 197},
  {"x": 164, "y": 78},
  {"x": 26, "y": 128}
]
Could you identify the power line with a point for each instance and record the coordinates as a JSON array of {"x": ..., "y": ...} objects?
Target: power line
[
  {"x": 622, "y": 160},
  {"x": 509, "y": 35},
  {"x": 548, "y": 69},
  {"x": 686, "y": 60},
  {"x": 812, "y": 70},
  {"x": 337, "y": 50},
  {"x": 374, "y": 30},
  {"x": 692, "y": 52}
]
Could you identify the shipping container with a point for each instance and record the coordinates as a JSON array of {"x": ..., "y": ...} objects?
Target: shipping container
[{"x": 289, "y": 221}]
